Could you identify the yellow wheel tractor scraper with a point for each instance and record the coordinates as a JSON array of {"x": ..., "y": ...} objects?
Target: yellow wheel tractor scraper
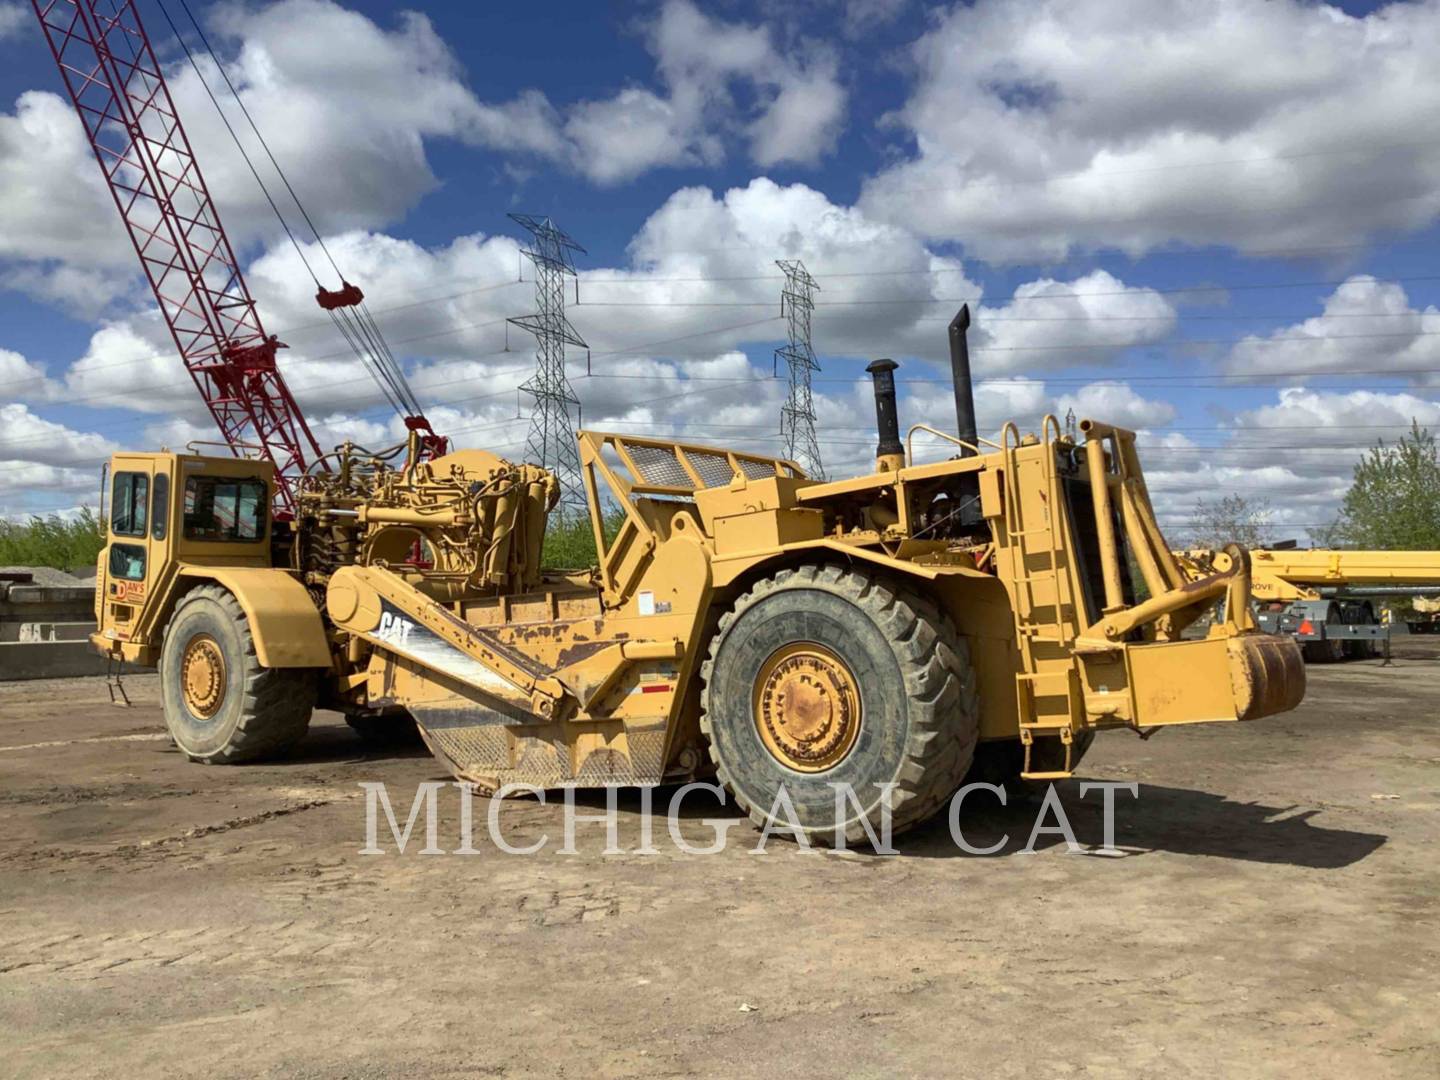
[{"x": 893, "y": 631}]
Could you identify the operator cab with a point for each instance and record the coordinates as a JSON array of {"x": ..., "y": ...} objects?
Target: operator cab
[{"x": 170, "y": 509}]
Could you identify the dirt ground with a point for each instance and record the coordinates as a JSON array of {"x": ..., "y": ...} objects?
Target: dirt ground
[{"x": 1275, "y": 914}]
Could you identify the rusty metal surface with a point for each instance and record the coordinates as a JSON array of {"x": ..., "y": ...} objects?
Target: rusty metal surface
[
  {"x": 491, "y": 750},
  {"x": 1267, "y": 675}
]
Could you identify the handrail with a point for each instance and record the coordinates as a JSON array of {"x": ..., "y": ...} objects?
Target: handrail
[
  {"x": 910, "y": 435},
  {"x": 237, "y": 445},
  {"x": 1053, "y": 502}
]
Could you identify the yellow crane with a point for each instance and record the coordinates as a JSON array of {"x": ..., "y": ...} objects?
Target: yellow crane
[{"x": 1325, "y": 598}]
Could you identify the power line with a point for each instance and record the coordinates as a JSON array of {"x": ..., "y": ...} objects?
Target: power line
[
  {"x": 1338, "y": 283},
  {"x": 1137, "y": 290},
  {"x": 1206, "y": 380}
]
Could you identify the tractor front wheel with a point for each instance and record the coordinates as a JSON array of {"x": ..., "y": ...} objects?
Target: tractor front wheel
[
  {"x": 221, "y": 705},
  {"x": 828, "y": 686}
]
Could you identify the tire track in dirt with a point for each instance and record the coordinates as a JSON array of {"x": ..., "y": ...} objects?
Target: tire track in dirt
[{"x": 253, "y": 946}]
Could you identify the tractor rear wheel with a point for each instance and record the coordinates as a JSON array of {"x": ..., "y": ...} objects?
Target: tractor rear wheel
[
  {"x": 221, "y": 705},
  {"x": 1327, "y": 650},
  {"x": 824, "y": 676}
]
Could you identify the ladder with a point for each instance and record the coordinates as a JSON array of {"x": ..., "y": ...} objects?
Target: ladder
[{"x": 1044, "y": 607}]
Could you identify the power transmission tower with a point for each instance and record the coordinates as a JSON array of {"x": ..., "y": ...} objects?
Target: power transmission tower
[
  {"x": 551, "y": 442},
  {"x": 797, "y": 417}
]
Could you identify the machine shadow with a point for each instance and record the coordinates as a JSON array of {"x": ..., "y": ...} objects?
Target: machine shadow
[
  {"x": 1178, "y": 820},
  {"x": 330, "y": 743},
  {"x": 1182, "y": 821}
]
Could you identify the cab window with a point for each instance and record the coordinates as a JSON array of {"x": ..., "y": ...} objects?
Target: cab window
[
  {"x": 159, "y": 506},
  {"x": 127, "y": 508},
  {"x": 224, "y": 509},
  {"x": 127, "y": 561}
]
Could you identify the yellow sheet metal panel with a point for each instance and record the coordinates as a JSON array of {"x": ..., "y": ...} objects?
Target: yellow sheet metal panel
[
  {"x": 1181, "y": 682},
  {"x": 767, "y": 529},
  {"x": 1235, "y": 678},
  {"x": 283, "y": 618}
]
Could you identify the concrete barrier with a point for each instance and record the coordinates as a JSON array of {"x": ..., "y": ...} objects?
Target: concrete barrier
[
  {"x": 24, "y": 604},
  {"x": 50, "y": 660},
  {"x": 56, "y": 631}
]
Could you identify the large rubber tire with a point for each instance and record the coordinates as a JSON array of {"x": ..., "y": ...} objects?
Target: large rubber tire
[
  {"x": 261, "y": 712},
  {"x": 1327, "y": 650},
  {"x": 1365, "y": 648},
  {"x": 918, "y": 708}
]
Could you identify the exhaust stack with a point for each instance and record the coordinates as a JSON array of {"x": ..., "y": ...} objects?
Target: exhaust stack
[
  {"x": 960, "y": 375},
  {"x": 890, "y": 453}
]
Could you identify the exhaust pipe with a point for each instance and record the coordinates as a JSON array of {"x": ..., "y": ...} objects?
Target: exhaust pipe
[
  {"x": 960, "y": 375},
  {"x": 890, "y": 453}
]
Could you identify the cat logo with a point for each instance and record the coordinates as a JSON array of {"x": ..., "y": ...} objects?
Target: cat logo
[{"x": 394, "y": 629}]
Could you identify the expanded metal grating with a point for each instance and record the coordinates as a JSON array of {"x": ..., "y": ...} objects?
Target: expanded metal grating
[
  {"x": 757, "y": 470},
  {"x": 714, "y": 469},
  {"x": 659, "y": 466}
]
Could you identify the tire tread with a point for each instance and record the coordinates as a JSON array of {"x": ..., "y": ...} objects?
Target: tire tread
[
  {"x": 938, "y": 676},
  {"x": 276, "y": 702}
]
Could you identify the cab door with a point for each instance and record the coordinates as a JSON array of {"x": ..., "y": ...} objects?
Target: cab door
[{"x": 139, "y": 519}]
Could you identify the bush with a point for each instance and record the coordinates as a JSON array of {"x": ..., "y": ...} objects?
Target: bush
[
  {"x": 70, "y": 544},
  {"x": 570, "y": 541}
]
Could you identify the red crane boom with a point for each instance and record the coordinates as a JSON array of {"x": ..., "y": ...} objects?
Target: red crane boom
[{"x": 119, "y": 91}]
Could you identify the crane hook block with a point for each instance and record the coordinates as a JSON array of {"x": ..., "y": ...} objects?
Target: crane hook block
[{"x": 346, "y": 296}]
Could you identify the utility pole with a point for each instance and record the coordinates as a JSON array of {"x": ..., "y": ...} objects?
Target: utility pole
[
  {"x": 551, "y": 442},
  {"x": 797, "y": 417}
]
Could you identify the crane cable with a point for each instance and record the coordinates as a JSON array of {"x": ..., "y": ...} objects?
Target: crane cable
[{"x": 355, "y": 323}]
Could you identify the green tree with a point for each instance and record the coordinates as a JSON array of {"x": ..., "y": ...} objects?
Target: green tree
[
  {"x": 70, "y": 544},
  {"x": 1394, "y": 499}
]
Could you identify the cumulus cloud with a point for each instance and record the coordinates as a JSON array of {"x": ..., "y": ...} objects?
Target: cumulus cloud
[
  {"x": 719, "y": 81},
  {"x": 54, "y": 209},
  {"x": 1118, "y": 404},
  {"x": 27, "y": 437},
  {"x": 1043, "y": 127},
  {"x": 667, "y": 328},
  {"x": 1336, "y": 416},
  {"x": 22, "y": 379},
  {"x": 704, "y": 260},
  {"x": 13, "y": 18},
  {"x": 347, "y": 105},
  {"x": 862, "y": 16},
  {"x": 353, "y": 135},
  {"x": 1296, "y": 453},
  {"x": 1367, "y": 326},
  {"x": 23, "y": 478},
  {"x": 1050, "y": 324}
]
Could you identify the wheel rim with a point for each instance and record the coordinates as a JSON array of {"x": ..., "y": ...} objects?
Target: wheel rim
[
  {"x": 202, "y": 676},
  {"x": 807, "y": 707}
]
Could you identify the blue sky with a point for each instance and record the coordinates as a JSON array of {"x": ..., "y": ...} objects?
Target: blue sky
[{"x": 1212, "y": 223}]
